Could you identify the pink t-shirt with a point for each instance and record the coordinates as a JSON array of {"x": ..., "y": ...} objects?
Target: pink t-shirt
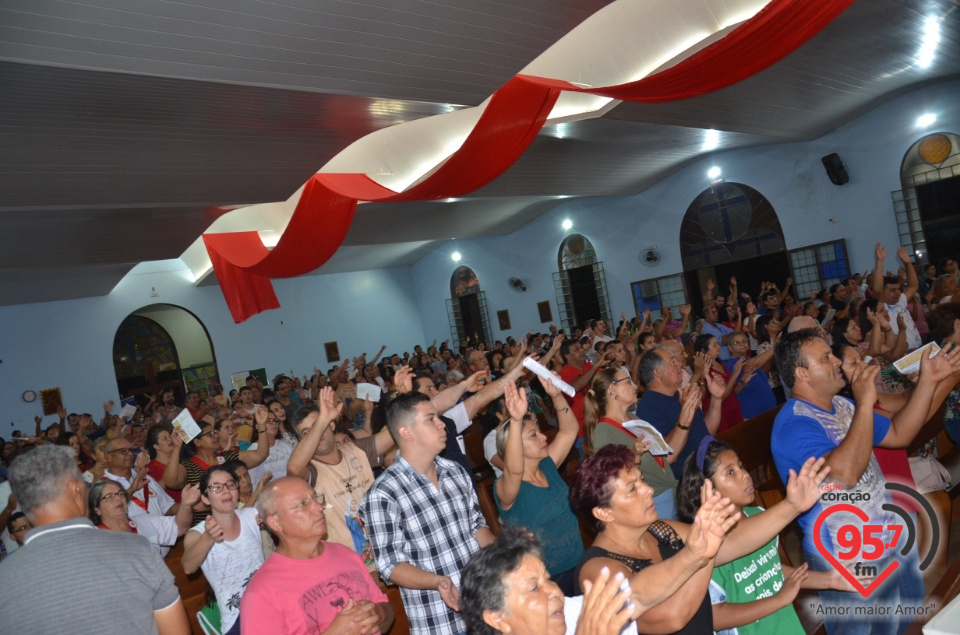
[{"x": 301, "y": 597}]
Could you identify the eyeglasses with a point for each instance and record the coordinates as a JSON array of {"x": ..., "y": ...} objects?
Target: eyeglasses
[
  {"x": 617, "y": 381},
  {"x": 121, "y": 450},
  {"x": 216, "y": 488},
  {"x": 212, "y": 433},
  {"x": 112, "y": 495},
  {"x": 318, "y": 498}
]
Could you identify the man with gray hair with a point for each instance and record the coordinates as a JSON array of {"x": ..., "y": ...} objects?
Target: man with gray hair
[
  {"x": 65, "y": 551},
  {"x": 309, "y": 585}
]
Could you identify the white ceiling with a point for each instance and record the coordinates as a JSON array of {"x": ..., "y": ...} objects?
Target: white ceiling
[{"x": 127, "y": 128}]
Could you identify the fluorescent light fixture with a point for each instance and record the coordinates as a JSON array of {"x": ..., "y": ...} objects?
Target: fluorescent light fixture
[
  {"x": 931, "y": 38},
  {"x": 456, "y": 256},
  {"x": 713, "y": 172},
  {"x": 567, "y": 224},
  {"x": 711, "y": 140},
  {"x": 926, "y": 119}
]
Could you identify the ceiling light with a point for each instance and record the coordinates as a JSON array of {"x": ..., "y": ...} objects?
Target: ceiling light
[
  {"x": 456, "y": 256},
  {"x": 711, "y": 140},
  {"x": 931, "y": 37},
  {"x": 926, "y": 119},
  {"x": 567, "y": 224},
  {"x": 713, "y": 172}
]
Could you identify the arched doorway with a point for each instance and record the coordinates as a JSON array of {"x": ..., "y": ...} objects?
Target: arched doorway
[
  {"x": 731, "y": 229},
  {"x": 467, "y": 308},
  {"x": 580, "y": 284},
  {"x": 163, "y": 346},
  {"x": 928, "y": 206}
]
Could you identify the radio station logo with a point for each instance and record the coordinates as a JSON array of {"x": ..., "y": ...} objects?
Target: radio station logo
[{"x": 860, "y": 551}]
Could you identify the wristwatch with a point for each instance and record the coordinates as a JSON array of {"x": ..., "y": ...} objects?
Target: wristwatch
[{"x": 683, "y": 427}]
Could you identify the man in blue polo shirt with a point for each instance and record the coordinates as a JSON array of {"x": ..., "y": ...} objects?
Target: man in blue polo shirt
[
  {"x": 817, "y": 422},
  {"x": 678, "y": 418}
]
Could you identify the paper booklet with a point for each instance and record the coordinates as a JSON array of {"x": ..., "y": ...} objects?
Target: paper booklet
[
  {"x": 185, "y": 426},
  {"x": 541, "y": 371},
  {"x": 644, "y": 430},
  {"x": 368, "y": 390},
  {"x": 910, "y": 363},
  {"x": 128, "y": 411}
]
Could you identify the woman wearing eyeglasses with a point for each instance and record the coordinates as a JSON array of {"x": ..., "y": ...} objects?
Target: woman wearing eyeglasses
[
  {"x": 606, "y": 410},
  {"x": 204, "y": 452},
  {"x": 531, "y": 491},
  {"x": 109, "y": 507},
  {"x": 226, "y": 546}
]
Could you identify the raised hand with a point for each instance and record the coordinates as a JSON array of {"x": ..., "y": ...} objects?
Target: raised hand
[
  {"x": 516, "y": 402},
  {"x": 190, "y": 495},
  {"x": 108, "y": 406},
  {"x": 936, "y": 369},
  {"x": 552, "y": 391},
  {"x": 641, "y": 446},
  {"x": 557, "y": 341},
  {"x": 62, "y": 413},
  {"x": 449, "y": 593},
  {"x": 880, "y": 252},
  {"x": 261, "y": 415},
  {"x": 903, "y": 256},
  {"x": 403, "y": 380},
  {"x": 791, "y": 585},
  {"x": 476, "y": 381},
  {"x": 685, "y": 309},
  {"x": 803, "y": 488},
  {"x": 213, "y": 529},
  {"x": 38, "y": 420},
  {"x": 711, "y": 285},
  {"x": 863, "y": 384},
  {"x": 608, "y": 605},
  {"x": 715, "y": 386},
  {"x": 329, "y": 408},
  {"x": 872, "y": 318},
  {"x": 716, "y": 516}
]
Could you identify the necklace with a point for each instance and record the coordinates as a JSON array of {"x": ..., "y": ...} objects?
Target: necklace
[{"x": 335, "y": 469}]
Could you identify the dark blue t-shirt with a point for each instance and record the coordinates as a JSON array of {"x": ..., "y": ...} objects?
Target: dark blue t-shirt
[{"x": 662, "y": 412}]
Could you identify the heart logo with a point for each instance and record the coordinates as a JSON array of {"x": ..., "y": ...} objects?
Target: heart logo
[{"x": 859, "y": 513}]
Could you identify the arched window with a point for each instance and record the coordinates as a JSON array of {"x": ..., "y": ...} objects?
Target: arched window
[
  {"x": 928, "y": 207},
  {"x": 580, "y": 283},
  {"x": 467, "y": 308},
  {"x": 163, "y": 346}
]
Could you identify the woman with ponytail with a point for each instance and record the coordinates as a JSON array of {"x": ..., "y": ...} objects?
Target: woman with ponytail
[{"x": 605, "y": 411}]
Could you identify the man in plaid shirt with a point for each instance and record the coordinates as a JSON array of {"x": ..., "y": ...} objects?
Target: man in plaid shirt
[{"x": 423, "y": 519}]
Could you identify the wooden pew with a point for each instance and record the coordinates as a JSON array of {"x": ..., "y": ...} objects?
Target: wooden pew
[{"x": 193, "y": 588}]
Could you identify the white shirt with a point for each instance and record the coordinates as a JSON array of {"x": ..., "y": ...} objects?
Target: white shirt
[
  {"x": 8, "y": 541},
  {"x": 276, "y": 462},
  {"x": 913, "y": 335},
  {"x": 490, "y": 451},
  {"x": 571, "y": 614},
  {"x": 161, "y": 531},
  {"x": 458, "y": 414},
  {"x": 159, "y": 503}
]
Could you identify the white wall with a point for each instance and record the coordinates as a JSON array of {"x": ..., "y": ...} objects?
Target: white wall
[
  {"x": 69, "y": 344},
  {"x": 790, "y": 175},
  {"x": 191, "y": 341}
]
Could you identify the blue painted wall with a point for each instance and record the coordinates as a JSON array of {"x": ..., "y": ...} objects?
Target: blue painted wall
[{"x": 69, "y": 344}]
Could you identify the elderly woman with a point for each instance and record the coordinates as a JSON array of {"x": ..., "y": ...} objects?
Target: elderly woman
[
  {"x": 160, "y": 447},
  {"x": 226, "y": 545},
  {"x": 531, "y": 491},
  {"x": 109, "y": 508},
  {"x": 507, "y": 589},
  {"x": 730, "y": 413},
  {"x": 96, "y": 472},
  {"x": 609, "y": 489}
]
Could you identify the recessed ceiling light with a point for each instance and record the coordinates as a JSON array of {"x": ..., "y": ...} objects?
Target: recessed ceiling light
[
  {"x": 926, "y": 119},
  {"x": 456, "y": 256},
  {"x": 713, "y": 172},
  {"x": 711, "y": 140},
  {"x": 567, "y": 224}
]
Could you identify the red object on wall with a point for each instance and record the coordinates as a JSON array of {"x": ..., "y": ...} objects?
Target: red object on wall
[{"x": 506, "y": 128}]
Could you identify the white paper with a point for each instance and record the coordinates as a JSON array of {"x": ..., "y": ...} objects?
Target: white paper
[
  {"x": 127, "y": 412},
  {"x": 910, "y": 363},
  {"x": 368, "y": 390},
  {"x": 185, "y": 426},
  {"x": 644, "y": 430},
  {"x": 541, "y": 371}
]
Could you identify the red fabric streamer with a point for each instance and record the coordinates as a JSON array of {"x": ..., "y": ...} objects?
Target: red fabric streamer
[{"x": 506, "y": 128}]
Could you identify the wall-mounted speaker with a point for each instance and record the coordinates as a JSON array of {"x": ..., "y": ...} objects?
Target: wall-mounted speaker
[{"x": 836, "y": 169}]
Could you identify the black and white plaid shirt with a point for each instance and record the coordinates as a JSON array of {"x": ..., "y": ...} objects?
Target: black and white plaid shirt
[{"x": 409, "y": 520}]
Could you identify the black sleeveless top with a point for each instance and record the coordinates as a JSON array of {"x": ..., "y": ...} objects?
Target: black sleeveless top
[{"x": 670, "y": 544}]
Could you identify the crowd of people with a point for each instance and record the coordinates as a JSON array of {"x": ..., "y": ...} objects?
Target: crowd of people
[{"x": 301, "y": 501}]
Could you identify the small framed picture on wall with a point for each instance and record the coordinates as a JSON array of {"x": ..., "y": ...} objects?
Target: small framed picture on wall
[
  {"x": 504, "y": 318},
  {"x": 333, "y": 352},
  {"x": 546, "y": 314}
]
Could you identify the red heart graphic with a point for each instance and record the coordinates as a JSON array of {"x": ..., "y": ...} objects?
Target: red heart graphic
[{"x": 844, "y": 507}]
